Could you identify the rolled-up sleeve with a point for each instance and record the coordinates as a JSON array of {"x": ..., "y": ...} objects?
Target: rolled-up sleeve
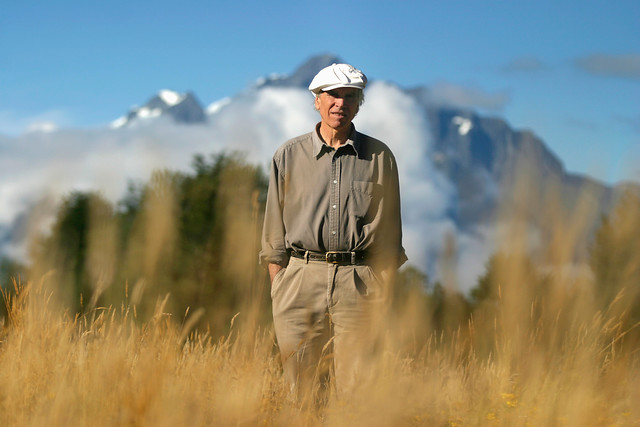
[
  {"x": 273, "y": 232},
  {"x": 392, "y": 224},
  {"x": 385, "y": 230}
]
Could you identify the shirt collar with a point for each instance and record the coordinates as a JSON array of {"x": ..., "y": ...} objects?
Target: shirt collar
[{"x": 319, "y": 147}]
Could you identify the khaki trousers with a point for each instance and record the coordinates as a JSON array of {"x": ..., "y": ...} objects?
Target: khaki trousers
[{"x": 325, "y": 313}]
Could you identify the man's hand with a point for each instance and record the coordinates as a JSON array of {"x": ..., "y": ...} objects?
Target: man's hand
[{"x": 273, "y": 270}]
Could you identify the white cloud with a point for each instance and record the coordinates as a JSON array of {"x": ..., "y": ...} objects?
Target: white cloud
[
  {"x": 467, "y": 97},
  {"x": 43, "y": 126},
  {"x": 427, "y": 196},
  {"x": 13, "y": 123},
  {"x": 473, "y": 252}
]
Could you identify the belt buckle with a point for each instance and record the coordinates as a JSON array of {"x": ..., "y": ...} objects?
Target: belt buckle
[
  {"x": 339, "y": 257},
  {"x": 332, "y": 257}
]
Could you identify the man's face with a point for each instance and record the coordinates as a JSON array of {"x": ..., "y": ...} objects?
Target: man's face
[{"x": 338, "y": 107}]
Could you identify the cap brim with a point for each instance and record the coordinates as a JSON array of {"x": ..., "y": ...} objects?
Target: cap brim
[{"x": 337, "y": 86}]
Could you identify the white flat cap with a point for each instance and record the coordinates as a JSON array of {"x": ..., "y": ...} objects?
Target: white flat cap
[{"x": 337, "y": 75}]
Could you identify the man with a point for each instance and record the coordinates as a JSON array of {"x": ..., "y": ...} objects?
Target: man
[{"x": 332, "y": 235}]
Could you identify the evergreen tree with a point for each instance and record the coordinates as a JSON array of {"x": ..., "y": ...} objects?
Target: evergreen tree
[{"x": 66, "y": 251}]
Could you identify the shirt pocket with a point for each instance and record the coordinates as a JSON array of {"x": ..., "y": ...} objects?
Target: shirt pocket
[
  {"x": 364, "y": 198},
  {"x": 360, "y": 198}
]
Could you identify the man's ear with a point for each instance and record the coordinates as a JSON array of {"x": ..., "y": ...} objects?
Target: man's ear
[{"x": 316, "y": 102}]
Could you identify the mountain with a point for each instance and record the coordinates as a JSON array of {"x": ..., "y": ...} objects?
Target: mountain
[
  {"x": 180, "y": 107},
  {"x": 483, "y": 157}
]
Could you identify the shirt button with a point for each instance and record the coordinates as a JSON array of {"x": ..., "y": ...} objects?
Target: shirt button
[
  {"x": 335, "y": 181},
  {"x": 333, "y": 232},
  {"x": 334, "y": 206}
]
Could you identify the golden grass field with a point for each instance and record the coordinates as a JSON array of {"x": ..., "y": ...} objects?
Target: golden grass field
[
  {"x": 106, "y": 369},
  {"x": 528, "y": 357}
]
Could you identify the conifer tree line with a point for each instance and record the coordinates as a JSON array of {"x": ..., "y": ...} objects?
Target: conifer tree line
[
  {"x": 191, "y": 239},
  {"x": 188, "y": 237}
]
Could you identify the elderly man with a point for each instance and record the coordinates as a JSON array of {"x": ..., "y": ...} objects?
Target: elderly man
[{"x": 332, "y": 235}]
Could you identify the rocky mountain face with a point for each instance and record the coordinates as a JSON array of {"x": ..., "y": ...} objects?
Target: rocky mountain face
[
  {"x": 182, "y": 108},
  {"x": 486, "y": 160}
]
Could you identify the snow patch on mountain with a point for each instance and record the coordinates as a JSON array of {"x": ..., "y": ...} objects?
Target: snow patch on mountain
[
  {"x": 118, "y": 123},
  {"x": 170, "y": 97},
  {"x": 464, "y": 124},
  {"x": 215, "y": 107},
  {"x": 148, "y": 113}
]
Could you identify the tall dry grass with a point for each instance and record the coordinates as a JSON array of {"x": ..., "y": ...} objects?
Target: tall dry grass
[{"x": 535, "y": 353}]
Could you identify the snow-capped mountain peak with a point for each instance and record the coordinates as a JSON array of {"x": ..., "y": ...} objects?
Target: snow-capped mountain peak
[
  {"x": 170, "y": 97},
  {"x": 181, "y": 107}
]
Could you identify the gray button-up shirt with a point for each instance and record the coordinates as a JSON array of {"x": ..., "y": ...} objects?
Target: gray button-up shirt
[{"x": 324, "y": 199}]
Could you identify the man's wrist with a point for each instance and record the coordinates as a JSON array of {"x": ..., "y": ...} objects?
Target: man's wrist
[{"x": 273, "y": 270}]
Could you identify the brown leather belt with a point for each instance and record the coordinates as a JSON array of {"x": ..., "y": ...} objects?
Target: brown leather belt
[{"x": 332, "y": 257}]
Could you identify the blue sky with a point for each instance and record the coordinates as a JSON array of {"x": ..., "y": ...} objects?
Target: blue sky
[{"x": 568, "y": 70}]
